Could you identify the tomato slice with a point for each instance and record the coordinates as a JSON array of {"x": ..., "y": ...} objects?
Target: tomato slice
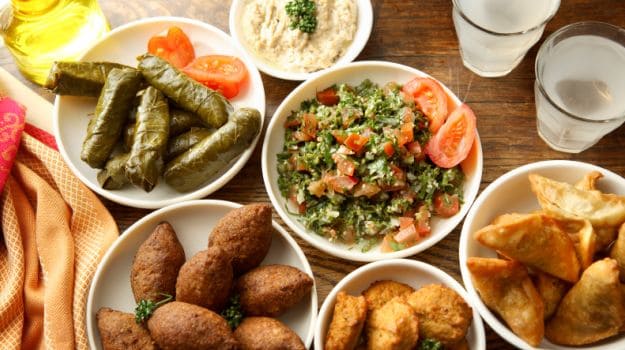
[
  {"x": 175, "y": 48},
  {"x": 389, "y": 149},
  {"x": 446, "y": 205},
  {"x": 225, "y": 74},
  {"x": 453, "y": 142},
  {"x": 356, "y": 142},
  {"x": 430, "y": 98},
  {"x": 328, "y": 97}
]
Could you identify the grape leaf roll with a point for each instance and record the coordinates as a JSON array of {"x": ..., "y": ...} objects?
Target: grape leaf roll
[{"x": 79, "y": 78}]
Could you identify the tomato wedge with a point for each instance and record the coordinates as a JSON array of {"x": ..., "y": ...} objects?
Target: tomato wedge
[
  {"x": 446, "y": 205},
  {"x": 430, "y": 98},
  {"x": 225, "y": 74},
  {"x": 453, "y": 142},
  {"x": 328, "y": 97},
  {"x": 175, "y": 48}
]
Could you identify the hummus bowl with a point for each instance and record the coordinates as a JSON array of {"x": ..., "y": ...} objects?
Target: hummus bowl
[
  {"x": 239, "y": 25},
  {"x": 354, "y": 73}
]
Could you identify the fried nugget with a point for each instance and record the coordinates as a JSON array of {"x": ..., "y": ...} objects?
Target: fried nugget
[
  {"x": 349, "y": 317},
  {"x": 505, "y": 287},
  {"x": 443, "y": 314},
  {"x": 119, "y": 331},
  {"x": 394, "y": 326},
  {"x": 618, "y": 252},
  {"x": 380, "y": 292},
  {"x": 551, "y": 290},
  {"x": 592, "y": 310},
  {"x": 264, "y": 333}
]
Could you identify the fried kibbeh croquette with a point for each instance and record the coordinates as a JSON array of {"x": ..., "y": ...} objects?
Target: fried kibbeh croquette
[
  {"x": 617, "y": 252},
  {"x": 156, "y": 264},
  {"x": 265, "y": 333},
  {"x": 119, "y": 331},
  {"x": 348, "y": 319},
  {"x": 394, "y": 326},
  {"x": 245, "y": 232},
  {"x": 592, "y": 310},
  {"x": 565, "y": 200},
  {"x": 182, "y": 326},
  {"x": 536, "y": 240},
  {"x": 380, "y": 292},
  {"x": 551, "y": 290},
  {"x": 443, "y": 314},
  {"x": 206, "y": 279},
  {"x": 461, "y": 345},
  {"x": 270, "y": 290},
  {"x": 506, "y": 288}
]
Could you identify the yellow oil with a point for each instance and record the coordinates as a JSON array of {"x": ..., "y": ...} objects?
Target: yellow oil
[{"x": 39, "y": 32}]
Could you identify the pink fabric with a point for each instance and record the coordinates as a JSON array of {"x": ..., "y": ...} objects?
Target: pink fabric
[{"x": 12, "y": 116}]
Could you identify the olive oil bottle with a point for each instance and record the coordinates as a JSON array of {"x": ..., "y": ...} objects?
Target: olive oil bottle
[{"x": 39, "y": 32}]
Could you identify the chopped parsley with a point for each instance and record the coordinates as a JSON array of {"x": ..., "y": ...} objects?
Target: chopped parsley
[
  {"x": 430, "y": 344},
  {"x": 303, "y": 15}
]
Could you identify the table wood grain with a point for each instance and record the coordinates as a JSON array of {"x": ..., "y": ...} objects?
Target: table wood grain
[{"x": 419, "y": 34}]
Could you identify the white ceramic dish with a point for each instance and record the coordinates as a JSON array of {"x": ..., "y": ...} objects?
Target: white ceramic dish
[
  {"x": 193, "y": 222},
  {"x": 511, "y": 193},
  {"x": 363, "y": 31},
  {"x": 123, "y": 45},
  {"x": 354, "y": 73},
  {"x": 413, "y": 273}
]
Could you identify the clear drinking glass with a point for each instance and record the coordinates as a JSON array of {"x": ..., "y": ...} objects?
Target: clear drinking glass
[
  {"x": 580, "y": 85},
  {"x": 494, "y": 35}
]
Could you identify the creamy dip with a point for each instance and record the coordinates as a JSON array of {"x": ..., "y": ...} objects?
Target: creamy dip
[{"x": 266, "y": 31}]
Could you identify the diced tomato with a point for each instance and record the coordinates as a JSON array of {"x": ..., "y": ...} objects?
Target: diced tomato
[
  {"x": 415, "y": 149},
  {"x": 340, "y": 183},
  {"x": 296, "y": 164},
  {"x": 339, "y": 135},
  {"x": 309, "y": 125},
  {"x": 328, "y": 97},
  {"x": 317, "y": 188},
  {"x": 294, "y": 205},
  {"x": 423, "y": 221},
  {"x": 366, "y": 189},
  {"x": 175, "y": 47},
  {"x": 225, "y": 74},
  {"x": 389, "y": 149},
  {"x": 398, "y": 173},
  {"x": 292, "y": 122},
  {"x": 405, "y": 221},
  {"x": 446, "y": 205},
  {"x": 406, "y": 133},
  {"x": 386, "y": 246},
  {"x": 356, "y": 142},
  {"x": 430, "y": 98},
  {"x": 453, "y": 142},
  {"x": 300, "y": 136},
  {"x": 344, "y": 165},
  {"x": 406, "y": 234}
]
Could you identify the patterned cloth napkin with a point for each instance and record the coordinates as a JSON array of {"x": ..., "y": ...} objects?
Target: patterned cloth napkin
[{"x": 54, "y": 233}]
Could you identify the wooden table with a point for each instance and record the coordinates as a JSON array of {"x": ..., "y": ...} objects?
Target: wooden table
[{"x": 419, "y": 34}]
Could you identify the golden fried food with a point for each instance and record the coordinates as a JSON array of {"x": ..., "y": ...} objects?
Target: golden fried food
[
  {"x": 349, "y": 316},
  {"x": 156, "y": 264},
  {"x": 270, "y": 290},
  {"x": 394, "y": 326},
  {"x": 182, "y": 326},
  {"x": 505, "y": 219},
  {"x": 246, "y": 233},
  {"x": 551, "y": 290},
  {"x": 119, "y": 331},
  {"x": 592, "y": 310},
  {"x": 536, "y": 240},
  {"x": 206, "y": 279},
  {"x": 264, "y": 333},
  {"x": 584, "y": 239},
  {"x": 443, "y": 314},
  {"x": 380, "y": 292},
  {"x": 618, "y": 252},
  {"x": 605, "y": 236},
  {"x": 505, "y": 287},
  {"x": 461, "y": 345},
  {"x": 589, "y": 181},
  {"x": 567, "y": 201}
]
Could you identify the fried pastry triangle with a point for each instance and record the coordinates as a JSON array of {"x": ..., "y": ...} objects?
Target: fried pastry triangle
[
  {"x": 618, "y": 252},
  {"x": 589, "y": 181},
  {"x": 505, "y": 287}
]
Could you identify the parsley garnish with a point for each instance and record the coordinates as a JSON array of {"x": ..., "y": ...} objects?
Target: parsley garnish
[
  {"x": 303, "y": 15},
  {"x": 430, "y": 344},
  {"x": 145, "y": 308},
  {"x": 232, "y": 313}
]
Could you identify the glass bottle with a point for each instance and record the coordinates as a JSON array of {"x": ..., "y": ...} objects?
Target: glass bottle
[{"x": 39, "y": 32}]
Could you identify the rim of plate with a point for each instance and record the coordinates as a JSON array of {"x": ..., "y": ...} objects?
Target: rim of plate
[
  {"x": 361, "y": 37},
  {"x": 327, "y": 246},
  {"x": 489, "y": 317},
  {"x": 236, "y": 164},
  {"x": 132, "y": 229},
  {"x": 418, "y": 265}
]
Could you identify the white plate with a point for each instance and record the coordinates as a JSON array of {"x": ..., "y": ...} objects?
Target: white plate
[
  {"x": 413, "y": 273},
  {"x": 355, "y": 73},
  {"x": 123, "y": 45},
  {"x": 193, "y": 222},
  {"x": 511, "y": 193},
  {"x": 363, "y": 31}
]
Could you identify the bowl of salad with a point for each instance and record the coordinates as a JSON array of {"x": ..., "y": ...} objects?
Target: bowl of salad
[{"x": 372, "y": 160}]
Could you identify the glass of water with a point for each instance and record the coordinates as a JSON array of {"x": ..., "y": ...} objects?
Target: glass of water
[
  {"x": 580, "y": 85},
  {"x": 494, "y": 35}
]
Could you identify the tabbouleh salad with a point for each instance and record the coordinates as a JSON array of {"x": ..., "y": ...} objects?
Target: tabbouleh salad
[{"x": 354, "y": 170}]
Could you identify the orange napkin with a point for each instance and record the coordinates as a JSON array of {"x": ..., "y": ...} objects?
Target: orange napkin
[{"x": 55, "y": 231}]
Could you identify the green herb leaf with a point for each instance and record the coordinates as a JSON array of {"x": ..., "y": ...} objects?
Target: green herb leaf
[
  {"x": 232, "y": 313},
  {"x": 303, "y": 15},
  {"x": 145, "y": 308},
  {"x": 430, "y": 344}
]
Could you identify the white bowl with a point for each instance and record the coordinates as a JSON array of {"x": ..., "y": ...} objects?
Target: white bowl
[
  {"x": 354, "y": 73},
  {"x": 511, "y": 193},
  {"x": 363, "y": 31},
  {"x": 413, "y": 273},
  {"x": 123, "y": 45},
  {"x": 193, "y": 222}
]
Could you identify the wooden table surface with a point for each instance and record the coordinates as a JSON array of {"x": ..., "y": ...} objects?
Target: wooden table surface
[{"x": 418, "y": 34}]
